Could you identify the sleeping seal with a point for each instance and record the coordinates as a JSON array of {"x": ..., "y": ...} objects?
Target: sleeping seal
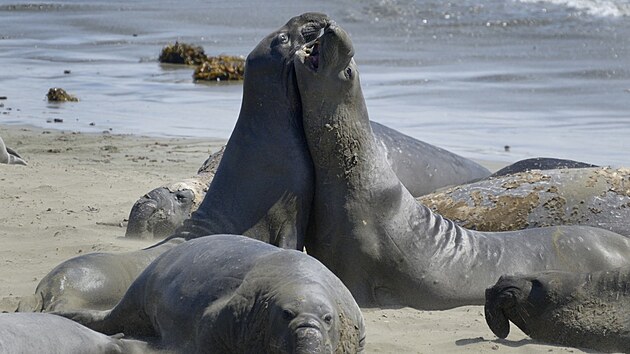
[
  {"x": 598, "y": 197},
  {"x": 233, "y": 294},
  {"x": 28, "y": 333},
  {"x": 91, "y": 281},
  {"x": 588, "y": 310}
]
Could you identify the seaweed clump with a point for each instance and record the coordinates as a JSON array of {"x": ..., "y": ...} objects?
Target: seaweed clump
[
  {"x": 182, "y": 53},
  {"x": 222, "y": 67},
  {"x": 57, "y": 94}
]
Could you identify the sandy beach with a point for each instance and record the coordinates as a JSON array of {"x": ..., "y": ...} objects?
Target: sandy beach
[{"x": 77, "y": 191}]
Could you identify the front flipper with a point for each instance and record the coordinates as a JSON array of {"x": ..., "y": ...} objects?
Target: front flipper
[{"x": 112, "y": 322}]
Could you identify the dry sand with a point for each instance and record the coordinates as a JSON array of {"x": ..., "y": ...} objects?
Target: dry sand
[{"x": 78, "y": 189}]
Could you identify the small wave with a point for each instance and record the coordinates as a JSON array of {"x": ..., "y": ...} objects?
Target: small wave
[{"x": 605, "y": 8}]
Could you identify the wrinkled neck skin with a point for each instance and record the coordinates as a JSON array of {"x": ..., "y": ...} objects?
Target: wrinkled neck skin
[
  {"x": 264, "y": 184},
  {"x": 368, "y": 229}
]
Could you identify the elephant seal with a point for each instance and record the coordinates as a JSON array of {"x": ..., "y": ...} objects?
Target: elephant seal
[
  {"x": 386, "y": 247},
  {"x": 589, "y": 310},
  {"x": 10, "y": 156},
  {"x": 597, "y": 197},
  {"x": 92, "y": 281},
  {"x": 540, "y": 163},
  {"x": 26, "y": 333},
  {"x": 231, "y": 294},
  {"x": 421, "y": 167},
  {"x": 263, "y": 185},
  {"x": 161, "y": 211}
]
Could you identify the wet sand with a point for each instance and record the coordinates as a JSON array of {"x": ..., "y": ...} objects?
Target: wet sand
[{"x": 77, "y": 191}]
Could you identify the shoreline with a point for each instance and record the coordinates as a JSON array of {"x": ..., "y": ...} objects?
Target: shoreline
[{"x": 78, "y": 189}]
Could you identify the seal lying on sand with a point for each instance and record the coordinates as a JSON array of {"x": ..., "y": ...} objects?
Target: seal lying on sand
[
  {"x": 230, "y": 294},
  {"x": 597, "y": 197},
  {"x": 161, "y": 211},
  {"x": 25, "y": 333},
  {"x": 92, "y": 281},
  {"x": 10, "y": 156},
  {"x": 540, "y": 163},
  {"x": 386, "y": 247},
  {"x": 581, "y": 310}
]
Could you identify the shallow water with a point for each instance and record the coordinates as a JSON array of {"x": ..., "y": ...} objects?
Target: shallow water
[{"x": 547, "y": 78}]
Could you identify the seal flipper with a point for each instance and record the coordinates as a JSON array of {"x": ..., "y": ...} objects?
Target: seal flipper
[{"x": 124, "y": 318}]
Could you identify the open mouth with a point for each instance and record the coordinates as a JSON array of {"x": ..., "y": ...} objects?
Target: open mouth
[
  {"x": 311, "y": 59},
  {"x": 311, "y": 50}
]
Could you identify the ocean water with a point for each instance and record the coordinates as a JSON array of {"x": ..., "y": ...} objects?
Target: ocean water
[{"x": 546, "y": 78}]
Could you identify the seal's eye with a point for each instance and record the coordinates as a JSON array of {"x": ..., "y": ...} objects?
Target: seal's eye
[
  {"x": 348, "y": 73},
  {"x": 328, "y": 319},
  {"x": 288, "y": 314},
  {"x": 283, "y": 38}
]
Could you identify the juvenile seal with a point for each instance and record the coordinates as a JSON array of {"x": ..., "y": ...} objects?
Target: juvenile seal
[
  {"x": 161, "y": 211},
  {"x": 386, "y": 247},
  {"x": 26, "y": 333},
  {"x": 10, "y": 156},
  {"x": 588, "y": 310},
  {"x": 582, "y": 196},
  {"x": 233, "y": 294},
  {"x": 92, "y": 281}
]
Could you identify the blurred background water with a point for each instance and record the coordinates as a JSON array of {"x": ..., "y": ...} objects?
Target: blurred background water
[{"x": 547, "y": 78}]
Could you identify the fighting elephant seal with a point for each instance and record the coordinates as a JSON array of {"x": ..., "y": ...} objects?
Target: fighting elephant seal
[
  {"x": 386, "y": 247},
  {"x": 10, "y": 156},
  {"x": 92, "y": 281},
  {"x": 421, "y": 167},
  {"x": 27, "y": 333},
  {"x": 589, "y": 310},
  {"x": 233, "y": 294},
  {"x": 274, "y": 205},
  {"x": 597, "y": 197}
]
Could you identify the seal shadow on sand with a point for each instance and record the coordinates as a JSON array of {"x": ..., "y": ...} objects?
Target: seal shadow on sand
[{"x": 510, "y": 343}]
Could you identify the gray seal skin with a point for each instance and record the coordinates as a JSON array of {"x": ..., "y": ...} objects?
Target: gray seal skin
[
  {"x": 589, "y": 310},
  {"x": 386, "y": 247},
  {"x": 598, "y": 197},
  {"x": 422, "y": 168},
  {"x": 161, "y": 211},
  {"x": 234, "y": 294},
  {"x": 28, "y": 333},
  {"x": 92, "y": 281},
  {"x": 263, "y": 186},
  {"x": 10, "y": 156},
  {"x": 540, "y": 163}
]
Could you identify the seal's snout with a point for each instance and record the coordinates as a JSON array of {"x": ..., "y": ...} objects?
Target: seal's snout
[
  {"x": 309, "y": 340},
  {"x": 159, "y": 213}
]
